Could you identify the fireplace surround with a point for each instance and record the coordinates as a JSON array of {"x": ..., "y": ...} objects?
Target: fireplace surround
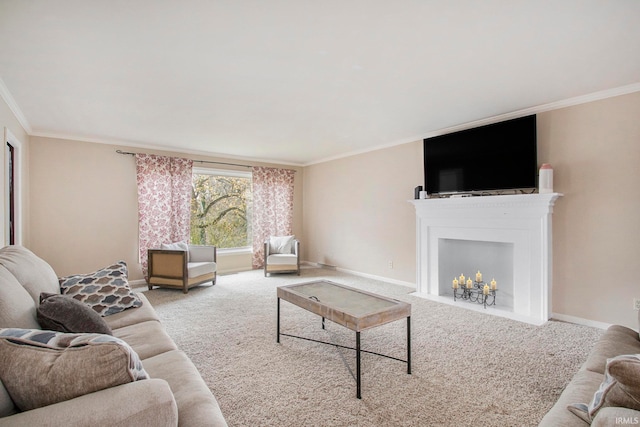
[{"x": 507, "y": 237}]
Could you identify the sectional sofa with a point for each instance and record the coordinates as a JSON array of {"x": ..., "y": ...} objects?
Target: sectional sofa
[
  {"x": 606, "y": 389},
  {"x": 135, "y": 377}
]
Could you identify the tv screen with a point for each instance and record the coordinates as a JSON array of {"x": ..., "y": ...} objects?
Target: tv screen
[{"x": 490, "y": 158}]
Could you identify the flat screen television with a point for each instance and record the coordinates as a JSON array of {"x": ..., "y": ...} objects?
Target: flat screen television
[{"x": 483, "y": 160}]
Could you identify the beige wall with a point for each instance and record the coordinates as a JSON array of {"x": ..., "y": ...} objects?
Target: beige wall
[
  {"x": 595, "y": 151},
  {"x": 355, "y": 211},
  {"x": 84, "y": 206},
  {"x": 356, "y": 216}
]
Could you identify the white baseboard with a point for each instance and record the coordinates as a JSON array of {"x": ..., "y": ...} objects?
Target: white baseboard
[
  {"x": 138, "y": 282},
  {"x": 579, "y": 321},
  {"x": 375, "y": 277},
  {"x": 234, "y": 270},
  {"x": 360, "y": 274}
]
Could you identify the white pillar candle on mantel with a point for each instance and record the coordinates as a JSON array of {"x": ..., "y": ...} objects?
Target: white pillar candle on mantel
[{"x": 545, "y": 179}]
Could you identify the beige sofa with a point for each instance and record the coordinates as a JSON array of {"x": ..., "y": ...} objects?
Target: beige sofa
[
  {"x": 616, "y": 341},
  {"x": 175, "y": 393}
]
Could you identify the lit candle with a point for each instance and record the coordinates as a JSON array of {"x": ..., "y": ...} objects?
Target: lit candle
[
  {"x": 455, "y": 283},
  {"x": 485, "y": 290},
  {"x": 478, "y": 276},
  {"x": 469, "y": 283},
  {"x": 494, "y": 285},
  {"x": 461, "y": 279}
]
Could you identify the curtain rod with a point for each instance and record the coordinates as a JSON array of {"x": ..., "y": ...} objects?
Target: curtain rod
[{"x": 199, "y": 161}]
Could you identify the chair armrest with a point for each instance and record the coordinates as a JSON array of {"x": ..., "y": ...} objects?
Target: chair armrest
[
  {"x": 140, "y": 403},
  {"x": 296, "y": 247},
  {"x": 202, "y": 253},
  {"x": 169, "y": 263}
]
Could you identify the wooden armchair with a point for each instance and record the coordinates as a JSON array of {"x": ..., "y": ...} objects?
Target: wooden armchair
[
  {"x": 281, "y": 255},
  {"x": 181, "y": 266}
]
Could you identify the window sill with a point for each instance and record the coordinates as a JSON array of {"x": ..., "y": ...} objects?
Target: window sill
[{"x": 234, "y": 251}]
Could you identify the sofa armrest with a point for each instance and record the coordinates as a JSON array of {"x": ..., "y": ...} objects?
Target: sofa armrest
[
  {"x": 615, "y": 417},
  {"x": 140, "y": 403}
]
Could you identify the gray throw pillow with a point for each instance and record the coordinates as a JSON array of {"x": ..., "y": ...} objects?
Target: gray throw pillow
[{"x": 64, "y": 314}]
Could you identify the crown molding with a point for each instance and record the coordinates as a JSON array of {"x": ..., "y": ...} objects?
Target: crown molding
[
  {"x": 13, "y": 106},
  {"x": 154, "y": 147},
  {"x": 583, "y": 99}
]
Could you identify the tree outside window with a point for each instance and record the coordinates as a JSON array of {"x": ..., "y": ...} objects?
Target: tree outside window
[{"x": 220, "y": 208}]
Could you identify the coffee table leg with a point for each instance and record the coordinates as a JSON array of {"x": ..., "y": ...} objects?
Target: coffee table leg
[
  {"x": 408, "y": 344},
  {"x": 358, "y": 394},
  {"x": 323, "y": 323},
  {"x": 278, "y": 323}
]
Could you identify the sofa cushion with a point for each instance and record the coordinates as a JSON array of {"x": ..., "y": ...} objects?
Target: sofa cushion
[
  {"x": 17, "y": 309},
  {"x": 6, "y": 404},
  {"x": 148, "y": 339},
  {"x": 147, "y": 403},
  {"x": 63, "y": 313},
  {"x": 580, "y": 389},
  {"x": 107, "y": 290},
  {"x": 281, "y": 244},
  {"x": 39, "y": 368},
  {"x": 196, "y": 404},
  {"x": 616, "y": 340},
  {"x": 620, "y": 387},
  {"x": 32, "y": 272},
  {"x": 141, "y": 314}
]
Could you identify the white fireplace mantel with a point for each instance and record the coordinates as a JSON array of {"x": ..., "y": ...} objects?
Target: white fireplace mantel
[{"x": 522, "y": 221}]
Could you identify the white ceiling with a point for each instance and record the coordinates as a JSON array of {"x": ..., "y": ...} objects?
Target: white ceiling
[{"x": 301, "y": 81}]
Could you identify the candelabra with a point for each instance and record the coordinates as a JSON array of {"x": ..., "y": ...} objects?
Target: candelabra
[{"x": 475, "y": 291}]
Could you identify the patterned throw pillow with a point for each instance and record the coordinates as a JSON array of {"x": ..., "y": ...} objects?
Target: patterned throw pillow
[
  {"x": 620, "y": 387},
  {"x": 107, "y": 290},
  {"x": 44, "y": 367}
]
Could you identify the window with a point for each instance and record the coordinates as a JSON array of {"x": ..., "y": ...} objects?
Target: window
[{"x": 221, "y": 209}]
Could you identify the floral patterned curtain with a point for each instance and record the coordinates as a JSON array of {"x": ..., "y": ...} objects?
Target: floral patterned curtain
[
  {"x": 272, "y": 207},
  {"x": 164, "y": 201}
]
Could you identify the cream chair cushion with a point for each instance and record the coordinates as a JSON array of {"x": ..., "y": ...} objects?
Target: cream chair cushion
[
  {"x": 195, "y": 269},
  {"x": 282, "y": 259}
]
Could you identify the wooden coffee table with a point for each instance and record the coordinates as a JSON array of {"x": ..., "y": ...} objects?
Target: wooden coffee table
[{"x": 350, "y": 307}]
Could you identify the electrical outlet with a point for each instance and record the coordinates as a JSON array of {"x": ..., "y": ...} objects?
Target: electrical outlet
[
  {"x": 390, "y": 264},
  {"x": 636, "y": 304}
]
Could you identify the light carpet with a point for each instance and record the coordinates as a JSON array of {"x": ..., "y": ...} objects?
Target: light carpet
[{"x": 468, "y": 368}]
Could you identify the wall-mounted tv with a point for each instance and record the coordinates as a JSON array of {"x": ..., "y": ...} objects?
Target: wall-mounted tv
[{"x": 483, "y": 160}]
